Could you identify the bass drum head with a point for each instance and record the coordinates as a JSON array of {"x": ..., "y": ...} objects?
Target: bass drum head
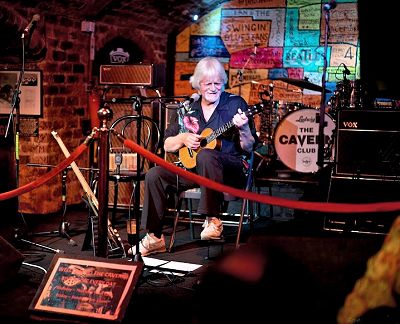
[{"x": 296, "y": 139}]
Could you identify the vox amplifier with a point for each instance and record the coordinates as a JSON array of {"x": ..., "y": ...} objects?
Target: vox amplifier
[
  {"x": 137, "y": 74},
  {"x": 368, "y": 144}
]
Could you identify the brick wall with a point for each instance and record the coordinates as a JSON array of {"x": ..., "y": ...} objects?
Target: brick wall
[{"x": 66, "y": 75}]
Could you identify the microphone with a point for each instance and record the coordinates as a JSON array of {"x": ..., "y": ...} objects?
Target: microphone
[
  {"x": 346, "y": 70},
  {"x": 185, "y": 104},
  {"x": 32, "y": 24},
  {"x": 329, "y": 6},
  {"x": 194, "y": 97}
]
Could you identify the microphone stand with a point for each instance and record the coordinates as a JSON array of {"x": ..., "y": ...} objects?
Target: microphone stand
[
  {"x": 321, "y": 135},
  {"x": 137, "y": 102},
  {"x": 137, "y": 106},
  {"x": 240, "y": 72},
  {"x": 134, "y": 230},
  {"x": 15, "y": 106}
]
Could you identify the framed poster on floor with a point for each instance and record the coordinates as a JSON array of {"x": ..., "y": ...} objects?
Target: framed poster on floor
[{"x": 92, "y": 288}]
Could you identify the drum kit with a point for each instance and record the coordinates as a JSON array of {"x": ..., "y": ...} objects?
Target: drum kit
[
  {"x": 289, "y": 131},
  {"x": 348, "y": 94}
]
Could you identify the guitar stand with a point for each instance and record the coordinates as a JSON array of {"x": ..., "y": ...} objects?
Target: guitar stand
[
  {"x": 114, "y": 245},
  {"x": 115, "y": 249},
  {"x": 63, "y": 228}
]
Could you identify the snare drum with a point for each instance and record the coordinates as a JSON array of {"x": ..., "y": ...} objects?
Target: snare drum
[{"x": 296, "y": 139}]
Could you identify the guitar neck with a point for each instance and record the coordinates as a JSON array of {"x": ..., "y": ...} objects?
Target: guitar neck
[
  {"x": 77, "y": 172},
  {"x": 219, "y": 131}
]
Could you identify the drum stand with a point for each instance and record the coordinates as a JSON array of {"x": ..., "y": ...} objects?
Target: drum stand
[{"x": 266, "y": 151}]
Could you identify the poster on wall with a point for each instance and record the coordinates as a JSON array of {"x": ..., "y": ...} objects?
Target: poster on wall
[
  {"x": 202, "y": 46},
  {"x": 30, "y": 96},
  {"x": 283, "y": 38},
  {"x": 29, "y": 127}
]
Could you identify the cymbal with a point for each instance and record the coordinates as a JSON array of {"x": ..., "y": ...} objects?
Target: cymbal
[{"x": 305, "y": 84}]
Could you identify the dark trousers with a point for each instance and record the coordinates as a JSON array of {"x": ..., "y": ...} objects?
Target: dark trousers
[{"x": 212, "y": 164}]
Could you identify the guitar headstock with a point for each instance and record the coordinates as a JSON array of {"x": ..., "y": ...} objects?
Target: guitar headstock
[{"x": 254, "y": 109}]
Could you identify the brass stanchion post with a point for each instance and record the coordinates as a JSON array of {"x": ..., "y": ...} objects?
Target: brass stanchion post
[{"x": 105, "y": 114}]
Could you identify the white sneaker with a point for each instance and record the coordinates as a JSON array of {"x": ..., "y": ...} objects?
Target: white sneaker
[
  {"x": 149, "y": 244},
  {"x": 212, "y": 229}
]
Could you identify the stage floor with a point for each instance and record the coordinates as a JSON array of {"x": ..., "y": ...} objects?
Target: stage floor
[{"x": 312, "y": 271}]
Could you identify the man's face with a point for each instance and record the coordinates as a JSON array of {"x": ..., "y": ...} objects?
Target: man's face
[{"x": 211, "y": 89}]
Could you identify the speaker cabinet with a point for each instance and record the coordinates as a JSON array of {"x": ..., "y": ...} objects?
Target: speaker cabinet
[
  {"x": 368, "y": 144},
  {"x": 138, "y": 74}
]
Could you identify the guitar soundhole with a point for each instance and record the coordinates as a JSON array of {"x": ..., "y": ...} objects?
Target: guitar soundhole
[{"x": 203, "y": 142}]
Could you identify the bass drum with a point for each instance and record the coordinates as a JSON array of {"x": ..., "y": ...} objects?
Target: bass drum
[{"x": 296, "y": 139}]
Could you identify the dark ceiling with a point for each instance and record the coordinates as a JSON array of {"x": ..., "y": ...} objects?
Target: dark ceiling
[
  {"x": 174, "y": 11},
  {"x": 170, "y": 16}
]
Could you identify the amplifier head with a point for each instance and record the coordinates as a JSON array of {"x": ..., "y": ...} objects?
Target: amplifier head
[{"x": 137, "y": 74}]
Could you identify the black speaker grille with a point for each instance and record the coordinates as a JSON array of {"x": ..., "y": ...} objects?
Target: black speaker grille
[{"x": 362, "y": 151}]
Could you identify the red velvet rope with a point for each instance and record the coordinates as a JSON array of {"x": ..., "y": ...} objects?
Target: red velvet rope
[
  {"x": 45, "y": 178},
  {"x": 264, "y": 199}
]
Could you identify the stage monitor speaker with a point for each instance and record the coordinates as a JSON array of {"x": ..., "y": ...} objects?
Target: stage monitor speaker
[
  {"x": 368, "y": 144},
  {"x": 10, "y": 261},
  {"x": 138, "y": 74}
]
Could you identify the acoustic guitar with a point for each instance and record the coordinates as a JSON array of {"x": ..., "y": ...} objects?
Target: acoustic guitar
[{"x": 209, "y": 139}]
